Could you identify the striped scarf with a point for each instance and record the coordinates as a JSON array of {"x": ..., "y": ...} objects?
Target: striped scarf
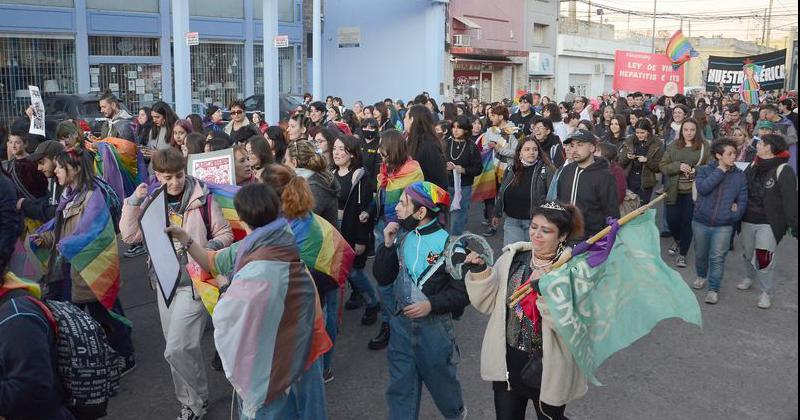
[{"x": 391, "y": 186}]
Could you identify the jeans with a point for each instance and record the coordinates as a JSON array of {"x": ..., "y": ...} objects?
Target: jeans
[
  {"x": 458, "y": 218},
  {"x": 305, "y": 400},
  {"x": 679, "y": 219},
  {"x": 331, "y": 322},
  {"x": 711, "y": 245},
  {"x": 515, "y": 230},
  {"x": 510, "y": 405},
  {"x": 759, "y": 238},
  {"x": 384, "y": 292},
  {"x": 421, "y": 351},
  {"x": 360, "y": 282},
  {"x": 644, "y": 194}
]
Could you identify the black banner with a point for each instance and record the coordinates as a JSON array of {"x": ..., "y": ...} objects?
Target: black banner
[{"x": 726, "y": 72}]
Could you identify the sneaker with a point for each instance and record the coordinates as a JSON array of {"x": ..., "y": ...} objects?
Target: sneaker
[
  {"x": 371, "y": 314},
  {"x": 665, "y": 234},
  {"x": 127, "y": 365},
  {"x": 327, "y": 375},
  {"x": 216, "y": 364},
  {"x": 711, "y": 297},
  {"x": 382, "y": 339},
  {"x": 764, "y": 301},
  {"x": 356, "y": 301},
  {"x": 699, "y": 283},
  {"x": 745, "y": 284},
  {"x": 680, "y": 261},
  {"x": 674, "y": 249},
  {"x": 490, "y": 232},
  {"x": 188, "y": 414},
  {"x": 134, "y": 251},
  {"x": 484, "y": 222}
]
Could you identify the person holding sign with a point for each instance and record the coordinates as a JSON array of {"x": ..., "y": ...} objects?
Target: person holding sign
[{"x": 190, "y": 206}]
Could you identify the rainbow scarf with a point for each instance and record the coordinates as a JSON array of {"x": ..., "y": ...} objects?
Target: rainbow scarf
[
  {"x": 484, "y": 187},
  {"x": 679, "y": 50},
  {"x": 391, "y": 186},
  {"x": 90, "y": 249},
  {"x": 269, "y": 327},
  {"x": 12, "y": 282},
  {"x": 322, "y": 247},
  {"x": 223, "y": 194},
  {"x": 120, "y": 163}
]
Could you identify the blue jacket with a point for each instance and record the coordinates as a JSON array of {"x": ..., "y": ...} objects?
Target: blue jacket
[{"x": 717, "y": 191}]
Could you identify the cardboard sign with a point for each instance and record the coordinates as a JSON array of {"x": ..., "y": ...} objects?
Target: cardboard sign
[
  {"x": 646, "y": 73},
  {"x": 214, "y": 167}
]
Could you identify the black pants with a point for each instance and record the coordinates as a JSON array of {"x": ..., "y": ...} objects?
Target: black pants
[{"x": 511, "y": 405}]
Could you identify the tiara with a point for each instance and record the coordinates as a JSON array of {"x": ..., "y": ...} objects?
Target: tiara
[{"x": 552, "y": 205}]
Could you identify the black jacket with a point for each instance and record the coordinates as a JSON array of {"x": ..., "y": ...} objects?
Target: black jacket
[
  {"x": 445, "y": 294},
  {"x": 523, "y": 122},
  {"x": 10, "y": 219},
  {"x": 777, "y": 195},
  {"x": 431, "y": 161},
  {"x": 593, "y": 190},
  {"x": 555, "y": 151},
  {"x": 326, "y": 193},
  {"x": 542, "y": 175},
  {"x": 359, "y": 198},
  {"x": 469, "y": 159},
  {"x": 371, "y": 161},
  {"x": 43, "y": 209}
]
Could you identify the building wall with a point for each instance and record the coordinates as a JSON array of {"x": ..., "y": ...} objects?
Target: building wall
[
  {"x": 502, "y": 22},
  {"x": 541, "y": 14},
  {"x": 400, "y": 53}
]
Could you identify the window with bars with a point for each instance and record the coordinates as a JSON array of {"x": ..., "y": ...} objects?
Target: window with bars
[
  {"x": 123, "y": 46},
  {"x": 44, "y": 62},
  {"x": 286, "y": 67},
  {"x": 217, "y": 73},
  {"x": 136, "y": 85}
]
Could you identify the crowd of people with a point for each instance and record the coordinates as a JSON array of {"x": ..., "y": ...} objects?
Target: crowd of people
[{"x": 393, "y": 181}]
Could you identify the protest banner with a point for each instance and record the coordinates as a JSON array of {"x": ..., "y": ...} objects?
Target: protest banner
[
  {"x": 646, "y": 73},
  {"x": 214, "y": 167},
  {"x": 728, "y": 73}
]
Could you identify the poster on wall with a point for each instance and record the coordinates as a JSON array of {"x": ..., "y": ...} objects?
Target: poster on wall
[
  {"x": 728, "y": 73},
  {"x": 349, "y": 37},
  {"x": 646, "y": 73},
  {"x": 214, "y": 167}
]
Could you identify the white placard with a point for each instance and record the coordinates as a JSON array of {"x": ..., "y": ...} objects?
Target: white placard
[
  {"x": 281, "y": 41},
  {"x": 140, "y": 82},
  {"x": 159, "y": 245},
  {"x": 114, "y": 87},
  {"x": 131, "y": 85},
  {"x": 132, "y": 74},
  {"x": 215, "y": 167},
  {"x": 37, "y": 120},
  {"x": 192, "y": 38},
  {"x": 742, "y": 165}
]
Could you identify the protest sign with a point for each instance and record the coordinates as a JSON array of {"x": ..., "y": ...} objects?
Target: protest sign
[
  {"x": 646, "y": 73},
  {"x": 728, "y": 73},
  {"x": 161, "y": 248},
  {"x": 37, "y": 119},
  {"x": 214, "y": 167}
]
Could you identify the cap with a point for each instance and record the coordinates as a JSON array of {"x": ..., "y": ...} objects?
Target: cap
[
  {"x": 47, "y": 148},
  {"x": 580, "y": 135},
  {"x": 527, "y": 98},
  {"x": 769, "y": 125},
  {"x": 211, "y": 110}
]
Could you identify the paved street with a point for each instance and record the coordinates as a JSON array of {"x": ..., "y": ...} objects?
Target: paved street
[{"x": 741, "y": 365}]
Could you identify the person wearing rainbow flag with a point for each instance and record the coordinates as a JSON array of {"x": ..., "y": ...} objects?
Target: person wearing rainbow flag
[{"x": 422, "y": 346}]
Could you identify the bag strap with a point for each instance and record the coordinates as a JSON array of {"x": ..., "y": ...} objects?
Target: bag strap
[
  {"x": 778, "y": 171},
  {"x": 205, "y": 212},
  {"x": 702, "y": 152},
  {"x": 47, "y": 313}
]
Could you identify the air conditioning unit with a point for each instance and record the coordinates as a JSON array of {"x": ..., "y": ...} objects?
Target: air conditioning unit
[
  {"x": 461, "y": 40},
  {"x": 599, "y": 69}
]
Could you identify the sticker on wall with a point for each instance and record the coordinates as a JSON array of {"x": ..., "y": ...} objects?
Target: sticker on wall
[
  {"x": 132, "y": 74},
  {"x": 114, "y": 87},
  {"x": 349, "y": 37},
  {"x": 131, "y": 85}
]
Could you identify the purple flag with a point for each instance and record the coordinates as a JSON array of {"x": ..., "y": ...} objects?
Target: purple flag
[{"x": 599, "y": 251}]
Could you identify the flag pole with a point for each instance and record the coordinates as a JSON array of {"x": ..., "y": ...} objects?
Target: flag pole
[{"x": 526, "y": 288}]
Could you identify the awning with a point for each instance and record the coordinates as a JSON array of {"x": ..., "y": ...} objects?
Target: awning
[{"x": 469, "y": 23}]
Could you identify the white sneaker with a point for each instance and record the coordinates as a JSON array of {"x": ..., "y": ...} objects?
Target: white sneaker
[
  {"x": 680, "y": 261},
  {"x": 674, "y": 249},
  {"x": 764, "y": 301},
  {"x": 745, "y": 284},
  {"x": 711, "y": 297},
  {"x": 699, "y": 283}
]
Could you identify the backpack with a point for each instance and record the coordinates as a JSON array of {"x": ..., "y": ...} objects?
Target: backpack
[{"x": 88, "y": 368}]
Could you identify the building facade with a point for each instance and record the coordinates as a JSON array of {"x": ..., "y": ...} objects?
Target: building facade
[
  {"x": 541, "y": 39},
  {"x": 84, "y": 46}
]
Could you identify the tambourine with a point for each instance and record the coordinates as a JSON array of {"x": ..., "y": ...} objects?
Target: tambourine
[{"x": 467, "y": 242}]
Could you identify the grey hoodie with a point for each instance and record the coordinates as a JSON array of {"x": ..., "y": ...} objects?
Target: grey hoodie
[
  {"x": 120, "y": 126},
  {"x": 325, "y": 189}
]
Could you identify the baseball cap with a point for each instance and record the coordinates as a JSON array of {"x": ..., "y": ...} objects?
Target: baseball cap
[
  {"x": 765, "y": 124},
  {"x": 580, "y": 135},
  {"x": 211, "y": 110},
  {"x": 47, "y": 148}
]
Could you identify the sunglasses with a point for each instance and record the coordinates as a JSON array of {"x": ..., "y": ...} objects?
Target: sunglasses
[{"x": 237, "y": 112}]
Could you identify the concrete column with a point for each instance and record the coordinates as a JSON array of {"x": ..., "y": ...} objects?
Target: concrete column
[
  {"x": 316, "y": 41},
  {"x": 81, "y": 46},
  {"x": 164, "y": 46},
  {"x": 183, "y": 69},
  {"x": 434, "y": 48},
  {"x": 271, "y": 92},
  {"x": 249, "y": 60}
]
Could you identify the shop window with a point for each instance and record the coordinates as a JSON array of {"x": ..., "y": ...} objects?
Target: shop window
[
  {"x": 123, "y": 46},
  {"x": 44, "y": 62},
  {"x": 53, "y": 3},
  {"x": 286, "y": 10},
  {"x": 216, "y": 8},
  {"x": 286, "y": 64},
  {"x": 124, "y": 5},
  {"x": 539, "y": 34},
  {"x": 217, "y": 73}
]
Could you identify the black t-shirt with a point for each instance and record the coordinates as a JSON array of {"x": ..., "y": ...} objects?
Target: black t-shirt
[
  {"x": 517, "y": 198},
  {"x": 345, "y": 184}
]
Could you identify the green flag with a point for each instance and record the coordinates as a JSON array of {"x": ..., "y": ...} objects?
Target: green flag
[{"x": 599, "y": 311}]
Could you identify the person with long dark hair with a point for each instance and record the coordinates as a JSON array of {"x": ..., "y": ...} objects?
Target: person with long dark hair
[
  {"x": 277, "y": 142},
  {"x": 464, "y": 159},
  {"x": 143, "y": 123},
  {"x": 615, "y": 131},
  {"x": 640, "y": 157},
  {"x": 164, "y": 120},
  {"x": 424, "y": 146},
  {"x": 548, "y": 142}
]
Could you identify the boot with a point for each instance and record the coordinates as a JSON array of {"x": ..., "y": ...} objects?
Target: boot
[
  {"x": 381, "y": 340},
  {"x": 370, "y": 314},
  {"x": 356, "y": 301}
]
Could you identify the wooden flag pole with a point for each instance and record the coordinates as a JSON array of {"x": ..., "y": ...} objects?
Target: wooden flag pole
[{"x": 526, "y": 288}]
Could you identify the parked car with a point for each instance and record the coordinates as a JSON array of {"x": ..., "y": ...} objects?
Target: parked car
[
  {"x": 84, "y": 107},
  {"x": 287, "y": 104}
]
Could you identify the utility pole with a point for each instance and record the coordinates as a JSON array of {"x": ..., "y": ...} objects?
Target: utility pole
[
  {"x": 629, "y": 23},
  {"x": 690, "y": 29},
  {"x": 764, "y": 29},
  {"x": 590, "y": 11},
  {"x": 653, "y": 48},
  {"x": 681, "y": 23},
  {"x": 769, "y": 23}
]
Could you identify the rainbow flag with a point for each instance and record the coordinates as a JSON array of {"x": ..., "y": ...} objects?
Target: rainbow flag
[
  {"x": 223, "y": 195},
  {"x": 484, "y": 187},
  {"x": 120, "y": 163},
  {"x": 322, "y": 247},
  {"x": 391, "y": 186},
  {"x": 679, "y": 50},
  {"x": 11, "y": 282},
  {"x": 24, "y": 262},
  {"x": 91, "y": 249}
]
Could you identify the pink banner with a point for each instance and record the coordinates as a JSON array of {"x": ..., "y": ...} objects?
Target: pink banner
[{"x": 646, "y": 73}]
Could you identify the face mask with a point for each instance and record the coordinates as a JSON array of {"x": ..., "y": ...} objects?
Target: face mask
[
  {"x": 409, "y": 223},
  {"x": 369, "y": 135},
  {"x": 526, "y": 164}
]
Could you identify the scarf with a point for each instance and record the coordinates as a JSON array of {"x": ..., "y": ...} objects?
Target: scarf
[{"x": 391, "y": 186}]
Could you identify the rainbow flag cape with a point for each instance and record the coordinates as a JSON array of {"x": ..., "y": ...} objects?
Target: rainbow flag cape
[
  {"x": 11, "y": 282},
  {"x": 120, "y": 163},
  {"x": 91, "y": 249},
  {"x": 223, "y": 195},
  {"x": 391, "y": 186},
  {"x": 24, "y": 262},
  {"x": 269, "y": 326},
  {"x": 484, "y": 187},
  {"x": 322, "y": 247},
  {"x": 679, "y": 50}
]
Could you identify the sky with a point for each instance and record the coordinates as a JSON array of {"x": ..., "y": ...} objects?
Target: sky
[{"x": 750, "y": 29}]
